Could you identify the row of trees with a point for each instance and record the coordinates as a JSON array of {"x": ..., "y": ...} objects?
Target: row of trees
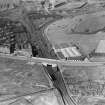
[{"x": 8, "y": 4}]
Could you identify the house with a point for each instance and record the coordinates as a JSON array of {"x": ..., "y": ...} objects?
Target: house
[
  {"x": 99, "y": 53},
  {"x": 68, "y": 52},
  {"x": 101, "y": 47}
]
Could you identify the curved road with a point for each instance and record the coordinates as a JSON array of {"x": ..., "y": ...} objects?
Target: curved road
[{"x": 63, "y": 31}]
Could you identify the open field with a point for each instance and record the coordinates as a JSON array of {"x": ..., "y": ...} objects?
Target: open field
[
  {"x": 86, "y": 84},
  {"x": 18, "y": 78},
  {"x": 83, "y": 31},
  {"x": 22, "y": 82}
]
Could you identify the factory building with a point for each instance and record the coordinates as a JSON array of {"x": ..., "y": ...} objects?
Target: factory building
[{"x": 68, "y": 52}]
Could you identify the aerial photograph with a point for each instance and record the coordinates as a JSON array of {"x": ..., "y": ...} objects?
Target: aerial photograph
[{"x": 52, "y": 52}]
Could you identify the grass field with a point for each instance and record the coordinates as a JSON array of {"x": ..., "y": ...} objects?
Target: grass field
[
  {"x": 82, "y": 30},
  {"x": 18, "y": 78}
]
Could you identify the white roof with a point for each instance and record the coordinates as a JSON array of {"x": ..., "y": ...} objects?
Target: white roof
[
  {"x": 70, "y": 52},
  {"x": 101, "y": 47}
]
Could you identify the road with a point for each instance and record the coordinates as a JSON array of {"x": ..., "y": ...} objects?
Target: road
[
  {"x": 62, "y": 63},
  {"x": 63, "y": 32}
]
